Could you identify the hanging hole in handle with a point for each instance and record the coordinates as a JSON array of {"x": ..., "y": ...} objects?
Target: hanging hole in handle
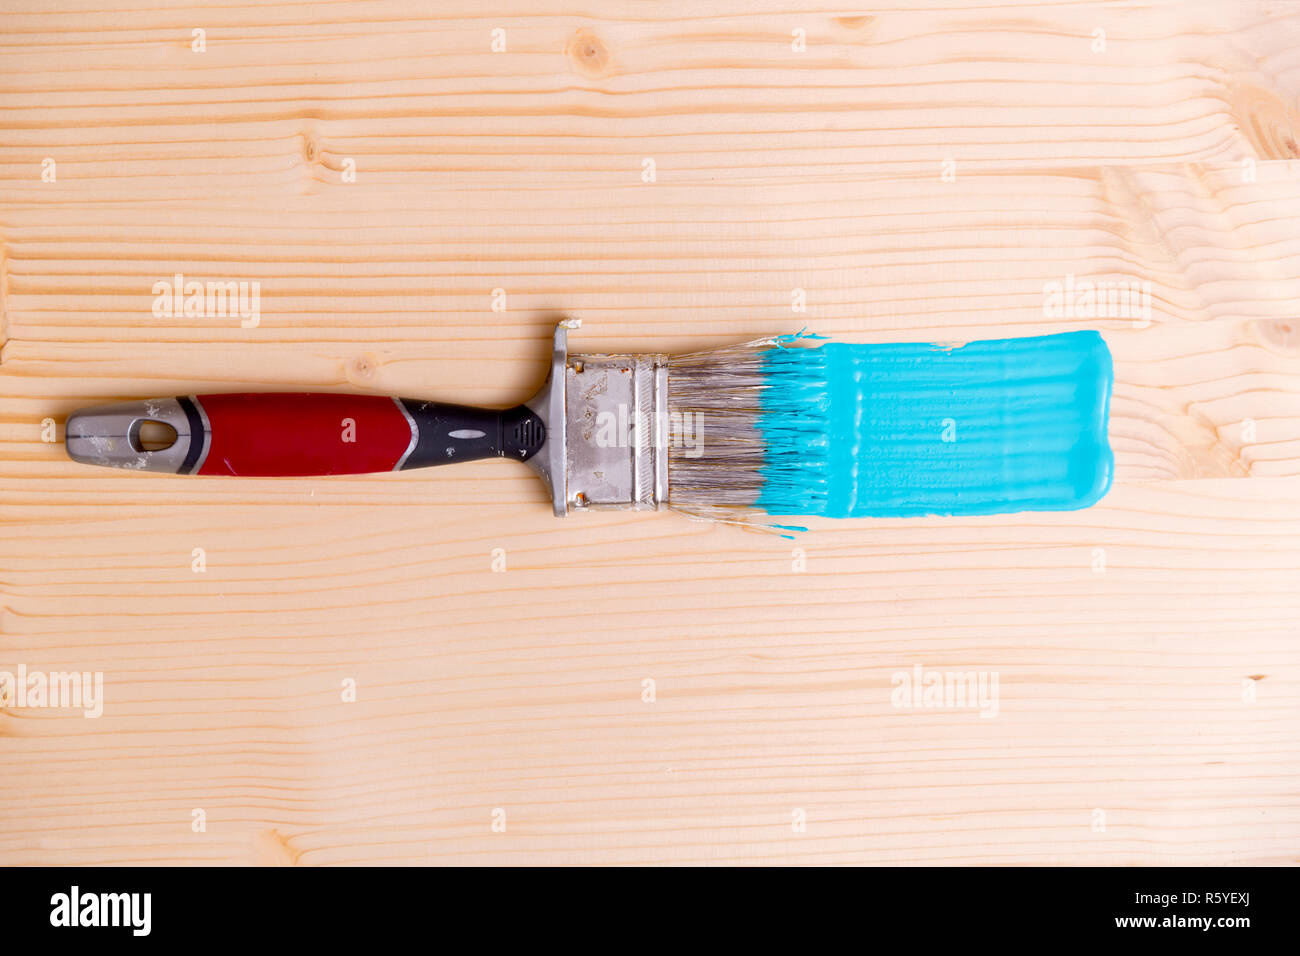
[{"x": 146, "y": 434}]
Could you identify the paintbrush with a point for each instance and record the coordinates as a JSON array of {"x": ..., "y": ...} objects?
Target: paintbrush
[{"x": 781, "y": 426}]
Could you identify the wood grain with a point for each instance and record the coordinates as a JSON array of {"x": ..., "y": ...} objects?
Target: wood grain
[
  {"x": 415, "y": 94},
  {"x": 1145, "y": 649},
  {"x": 1120, "y": 690},
  {"x": 645, "y": 263}
]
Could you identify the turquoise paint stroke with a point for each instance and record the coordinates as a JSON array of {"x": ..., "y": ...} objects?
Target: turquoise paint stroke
[{"x": 902, "y": 430}]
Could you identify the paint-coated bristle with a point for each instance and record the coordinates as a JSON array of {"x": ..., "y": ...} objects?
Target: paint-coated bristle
[
  {"x": 890, "y": 430},
  {"x": 716, "y": 452}
]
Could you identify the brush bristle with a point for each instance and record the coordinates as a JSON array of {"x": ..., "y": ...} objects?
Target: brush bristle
[
  {"x": 890, "y": 430},
  {"x": 719, "y": 461}
]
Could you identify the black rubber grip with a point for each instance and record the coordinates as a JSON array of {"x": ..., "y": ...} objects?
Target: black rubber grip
[{"x": 450, "y": 433}]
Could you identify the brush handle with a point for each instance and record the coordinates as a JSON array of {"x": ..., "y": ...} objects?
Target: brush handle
[
  {"x": 274, "y": 434},
  {"x": 312, "y": 433}
]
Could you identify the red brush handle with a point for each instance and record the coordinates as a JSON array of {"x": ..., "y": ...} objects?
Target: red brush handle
[
  {"x": 274, "y": 434},
  {"x": 302, "y": 433}
]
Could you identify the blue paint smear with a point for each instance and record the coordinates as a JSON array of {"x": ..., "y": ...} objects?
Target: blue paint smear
[{"x": 902, "y": 430}]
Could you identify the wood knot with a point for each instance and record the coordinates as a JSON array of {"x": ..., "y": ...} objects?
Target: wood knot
[
  {"x": 588, "y": 53},
  {"x": 1266, "y": 121},
  {"x": 856, "y": 24},
  {"x": 363, "y": 369},
  {"x": 1279, "y": 335},
  {"x": 272, "y": 849},
  {"x": 310, "y": 148}
]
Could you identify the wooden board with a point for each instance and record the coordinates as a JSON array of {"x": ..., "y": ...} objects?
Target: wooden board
[{"x": 638, "y": 688}]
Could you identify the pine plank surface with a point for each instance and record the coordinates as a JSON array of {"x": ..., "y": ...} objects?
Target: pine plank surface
[{"x": 911, "y": 174}]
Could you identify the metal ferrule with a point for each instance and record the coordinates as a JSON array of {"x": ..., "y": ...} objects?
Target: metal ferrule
[{"x": 612, "y": 449}]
